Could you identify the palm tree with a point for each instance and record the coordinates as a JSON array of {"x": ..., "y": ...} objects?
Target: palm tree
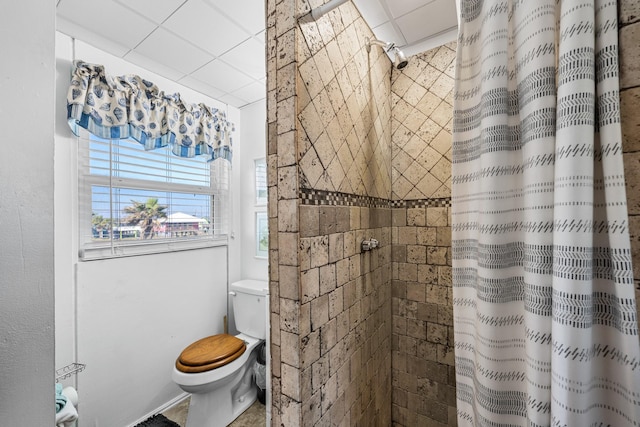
[
  {"x": 100, "y": 224},
  {"x": 145, "y": 215}
]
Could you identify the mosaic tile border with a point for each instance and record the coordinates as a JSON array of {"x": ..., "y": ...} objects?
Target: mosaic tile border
[
  {"x": 443, "y": 202},
  {"x": 334, "y": 198}
]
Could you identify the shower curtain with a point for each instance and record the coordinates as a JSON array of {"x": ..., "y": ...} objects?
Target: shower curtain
[{"x": 544, "y": 311}]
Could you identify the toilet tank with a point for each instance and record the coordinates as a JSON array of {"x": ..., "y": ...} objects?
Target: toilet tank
[{"x": 250, "y": 307}]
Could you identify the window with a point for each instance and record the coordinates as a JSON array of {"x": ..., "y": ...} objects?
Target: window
[
  {"x": 261, "y": 181},
  {"x": 262, "y": 222},
  {"x": 134, "y": 201},
  {"x": 262, "y": 235}
]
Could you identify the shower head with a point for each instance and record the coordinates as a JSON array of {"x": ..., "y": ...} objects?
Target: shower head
[{"x": 400, "y": 60}]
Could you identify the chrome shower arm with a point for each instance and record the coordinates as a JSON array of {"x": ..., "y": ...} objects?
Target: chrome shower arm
[{"x": 387, "y": 46}]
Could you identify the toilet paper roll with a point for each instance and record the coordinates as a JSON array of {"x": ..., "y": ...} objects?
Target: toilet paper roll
[{"x": 71, "y": 394}]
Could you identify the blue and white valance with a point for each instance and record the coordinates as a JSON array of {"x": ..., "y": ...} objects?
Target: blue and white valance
[{"x": 132, "y": 107}]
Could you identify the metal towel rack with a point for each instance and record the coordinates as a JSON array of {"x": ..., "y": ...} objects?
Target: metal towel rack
[{"x": 67, "y": 371}]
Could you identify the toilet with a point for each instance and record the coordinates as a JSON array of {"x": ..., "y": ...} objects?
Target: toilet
[{"x": 217, "y": 370}]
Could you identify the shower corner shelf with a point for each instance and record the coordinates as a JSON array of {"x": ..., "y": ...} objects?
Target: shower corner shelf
[{"x": 67, "y": 371}]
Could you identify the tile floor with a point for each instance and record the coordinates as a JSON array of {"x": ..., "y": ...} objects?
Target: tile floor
[{"x": 255, "y": 416}]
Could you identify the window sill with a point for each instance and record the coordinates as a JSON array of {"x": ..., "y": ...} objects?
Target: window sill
[{"x": 93, "y": 253}]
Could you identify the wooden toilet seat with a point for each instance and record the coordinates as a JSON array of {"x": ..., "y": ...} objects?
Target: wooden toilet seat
[{"x": 210, "y": 353}]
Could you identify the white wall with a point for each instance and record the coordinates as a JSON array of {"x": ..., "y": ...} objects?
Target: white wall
[
  {"x": 128, "y": 319},
  {"x": 26, "y": 213},
  {"x": 135, "y": 315},
  {"x": 253, "y": 134}
]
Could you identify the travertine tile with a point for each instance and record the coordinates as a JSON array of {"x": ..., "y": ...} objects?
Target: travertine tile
[
  {"x": 629, "y": 56},
  {"x": 414, "y": 121},
  {"x": 310, "y": 348},
  {"x": 414, "y": 94},
  {"x": 309, "y": 284},
  {"x": 441, "y": 170},
  {"x": 288, "y": 282},
  {"x": 285, "y": 17},
  {"x": 309, "y": 221},
  {"x": 285, "y": 49},
  {"x": 629, "y": 107},
  {"x": 443, "y": 58},
  {"x": 290, "y": 348},
  {"x": 416, "y": 216},
  {"x": 628, "y": 11},
  {"x": 327, "y": 278},
  {"x": 442, "y": 114},
  {"x": 286, "y": 149},
  {"x": 288, "y": 215},
  {"x": 288, "y": 245},
  {"x": 336, "y": 302},
  {"x": 401, "y": 187},
  {"x": 428, "y": 77},
  {"x": 342, "y": 272},
  {"x": 416, "y": 254},
  {"x": 289, "y": 313},
  {"x": 442, "y": 86},
  {"x": 634, "y": 235},
  {"x": 311, "y": 168},
  {"x": 632, "y": 179},
  {"x": 442, "y": 142},
  {"x": 414, "y": 173},
  {"x": 287, "y": 183},
  {"x": 287, "y": 77},
  {"x": 286, "y": 115},
  {"x": 311, "y": 122},
  {"x": 336, "y": 247},
  {"x": 290, "y": 381}
]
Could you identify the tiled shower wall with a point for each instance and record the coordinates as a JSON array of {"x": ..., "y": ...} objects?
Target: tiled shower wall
[
  {"x": 329, "y": 115},
  {"x": 629, "y": 39},
  {"x": 422, "y": 105},
  {"x": 344, "y": 140},
  {"x": 328, "y": 298},
  {"x": 423, "y": 374}
]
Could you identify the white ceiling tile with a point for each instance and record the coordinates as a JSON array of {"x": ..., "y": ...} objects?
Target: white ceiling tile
[
  {"x": 81, "y": 33},
  {"x": 402, "y": 7},
  {"x": 372, "y": 12},
  {"x": 261, "y": 37},
  {"x": 438, "y": 16},
  {"x": 387, "y": 33},
  {"x": 205, "y": 27},
  {"x": 233, "y": 101},
  {"x": 248, "y": 57},
  {"x": 431, "y": 42},
  {"x": 153, "y": 65},
  {"x": 201, "y": 87},
  {"x": 249, "y": 14},
  {"x": 107, "y": 19},
  {"x": 155, "y": 10},
  {"x": 221, "y": 76},
  {"x": 172, "y": 51},
  {"x": 251, "y": 92}
]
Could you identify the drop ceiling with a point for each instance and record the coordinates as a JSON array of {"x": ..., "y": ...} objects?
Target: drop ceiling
[{"x": 217, "y": 46}]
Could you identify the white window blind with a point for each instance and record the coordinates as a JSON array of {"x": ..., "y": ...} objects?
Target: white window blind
[{"x": 135, "y": 202}]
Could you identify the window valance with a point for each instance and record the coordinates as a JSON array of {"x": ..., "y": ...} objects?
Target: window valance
[{"x": 132, "y": 107}]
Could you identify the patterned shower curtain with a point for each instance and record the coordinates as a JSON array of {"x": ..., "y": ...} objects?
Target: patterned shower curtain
[{"x": 544, "y": 310}]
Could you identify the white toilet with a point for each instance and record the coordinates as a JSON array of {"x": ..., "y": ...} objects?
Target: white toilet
[{"x": 217, "y": 370}]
